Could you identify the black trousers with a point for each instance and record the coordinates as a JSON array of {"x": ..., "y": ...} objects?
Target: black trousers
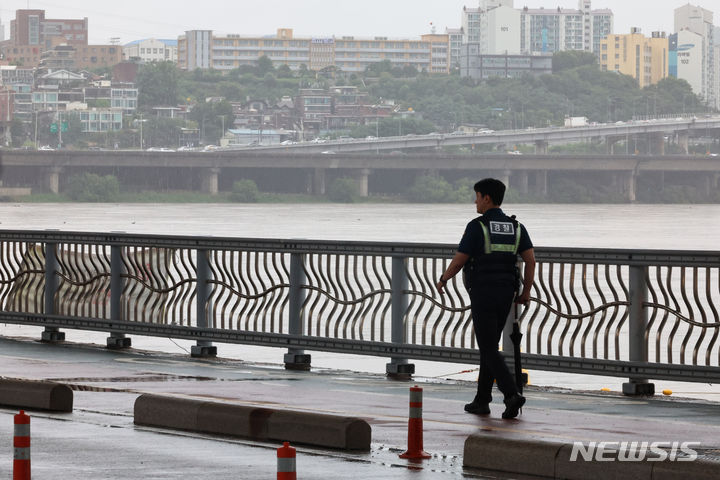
[{"x": 490, "y": 303}]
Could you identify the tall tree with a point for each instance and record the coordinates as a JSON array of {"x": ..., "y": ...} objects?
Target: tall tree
[
  {"x": 571, "y": 59},
  {"x": 157, "y": 84}
]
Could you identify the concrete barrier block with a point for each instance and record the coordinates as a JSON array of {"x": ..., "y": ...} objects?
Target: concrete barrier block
[
  {"x": 317, "y": 429},
  {"x": 163, "y": 411},
  {"x": 581, "y": 469},
  {"x": 29, "y": 395},
  {"x": 323, "y": 430},
  {"x": 234, "y": 420},
  {"x": 520, "y": 456},
  {"x": 700, "y": 469}
]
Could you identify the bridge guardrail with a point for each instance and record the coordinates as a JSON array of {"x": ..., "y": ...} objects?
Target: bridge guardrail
[{"x": 626, "y": 313}]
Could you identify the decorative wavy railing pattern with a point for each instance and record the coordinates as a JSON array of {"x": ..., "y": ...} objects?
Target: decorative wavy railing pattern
[
  {"x": 684, "y": 323},
  {"x": 581, "y": 306}
]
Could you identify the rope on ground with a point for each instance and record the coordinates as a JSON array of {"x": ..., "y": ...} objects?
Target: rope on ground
[
  {"x": 456, "y": 373},
  {"x": 178, "y": 345}
]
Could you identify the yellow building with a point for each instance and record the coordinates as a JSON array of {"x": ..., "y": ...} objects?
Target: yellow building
[{"x": 645, "y": 59}]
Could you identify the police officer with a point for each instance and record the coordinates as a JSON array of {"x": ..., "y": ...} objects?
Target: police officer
[{"x": 487, "y": 254}]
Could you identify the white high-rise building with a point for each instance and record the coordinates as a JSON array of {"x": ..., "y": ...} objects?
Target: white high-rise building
[
  {"x": 716, "y": 49},
  {"x": 690, "y": 59},
  {"x": 455, "y": 36},
  {"x": 549, "y": 30},
  {"x": 494, "y": 26},
  {"x": 690, "y": 18}
]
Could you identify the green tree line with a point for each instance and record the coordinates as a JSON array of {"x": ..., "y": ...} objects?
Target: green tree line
[{"x": 577, "y": 87}]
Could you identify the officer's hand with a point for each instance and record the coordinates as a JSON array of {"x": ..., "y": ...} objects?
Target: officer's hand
[
  {"x": 523, "y": 298},
  {"x": 440, "y": 287}
]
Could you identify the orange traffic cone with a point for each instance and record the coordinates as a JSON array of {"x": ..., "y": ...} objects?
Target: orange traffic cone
[
  {"x": 21, "y": 442},
  {"x": 415, "y": 426},
  {"x": 286, "y": 462}
]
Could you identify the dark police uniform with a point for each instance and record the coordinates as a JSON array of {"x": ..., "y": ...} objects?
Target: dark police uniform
[{"x": 493, "y": 242}]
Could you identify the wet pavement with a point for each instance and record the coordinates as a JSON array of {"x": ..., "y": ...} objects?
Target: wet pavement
[{"x": 99, "y": 440}]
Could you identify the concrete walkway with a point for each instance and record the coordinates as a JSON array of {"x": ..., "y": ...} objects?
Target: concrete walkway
[{"x": 99, "y": 440}]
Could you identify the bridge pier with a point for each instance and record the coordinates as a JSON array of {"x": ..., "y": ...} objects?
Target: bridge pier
[
  {"x": 541, "y": 147},
  {"x": 210, "y": 180},
  {"x": 541, "y": 183},
  {"x": 522, "y": 181},
  {"x": 682, "y": 139},
  {"x": 656, "y": 144},
  {"x": 610, "y": 144},
  {"x": 362, "y": 181},
  {"x": 52, "y": 179},
  {"x": 318, "y": 184},
  {"x": 626, "y": 183},
  {"x": 505, "y": 177},
  {"x": 706, "y": 184}
]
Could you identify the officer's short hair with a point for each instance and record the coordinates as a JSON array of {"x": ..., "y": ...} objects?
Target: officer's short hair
[{"x": 493, "y": 187}]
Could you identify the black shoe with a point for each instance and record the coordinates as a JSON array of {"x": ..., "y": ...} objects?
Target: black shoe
[
  {"x": 478, "y": 408},
  {"x": 513, "y": 406}
]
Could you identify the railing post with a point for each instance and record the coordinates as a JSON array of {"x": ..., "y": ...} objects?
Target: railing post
[
  {"x": 51, "y": 334},
  {"x": 638, "y": 318},
  {"x": 116, "y": 340},
  {"x": 399, "y": 367},
  {"x": 204, "y": 348},
  {"x": 296, "y": 358}
]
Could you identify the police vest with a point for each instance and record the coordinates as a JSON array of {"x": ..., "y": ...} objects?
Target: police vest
[{"x": 501, "y": 240}]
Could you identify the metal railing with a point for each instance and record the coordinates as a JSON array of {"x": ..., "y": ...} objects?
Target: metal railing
[{"x": 627, "y": 313}]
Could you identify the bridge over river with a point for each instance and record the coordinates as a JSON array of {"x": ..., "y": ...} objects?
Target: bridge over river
[
  {"x": 214, "y": 171},
  {"x": 651, "y": 132}
]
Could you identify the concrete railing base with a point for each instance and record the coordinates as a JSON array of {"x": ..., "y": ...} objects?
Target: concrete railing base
[
  {"x": 322, "y": 430},
  {"x": 33, "y": 395},
  {"x": 555, "y": 460}
]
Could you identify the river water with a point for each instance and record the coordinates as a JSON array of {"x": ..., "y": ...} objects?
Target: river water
[{"x": 632, "y": 226}]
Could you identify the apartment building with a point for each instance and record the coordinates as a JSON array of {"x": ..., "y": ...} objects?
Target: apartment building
[
  {"x": 80, "y": 57},
  {"x": 60, "y": 43},
  {"x": 151, "y": 50},
  {"x": 201, "y": 49},
  {"x": 716, "y": 60},
  {"x": 20, "y": 81},
  {"x": 645, "y": 59},
  {"x": 698, "y": 21},
  {"x": 14, "y": 75},
  {"x": 494, "y": 27},
  {"x": 455, "y": 38},
  {"x": 101, "y": 120},
  {"x": 549, "y": 30},
  {"x": 30, "y": 27},
  {"x": 440, "y": 59},
  {"x": 194, "y": 49},
  {"x": 686, "y": 59}
]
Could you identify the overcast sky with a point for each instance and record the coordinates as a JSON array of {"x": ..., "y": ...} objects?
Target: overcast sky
[{"x": 135, "y": 19}]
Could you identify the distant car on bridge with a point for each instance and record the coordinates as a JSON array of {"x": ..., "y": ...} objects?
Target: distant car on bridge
[{"x": 159, "y": 149}]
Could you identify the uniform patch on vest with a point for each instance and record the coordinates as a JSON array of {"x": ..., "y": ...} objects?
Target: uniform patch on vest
[{"x": 502, "y": 228}]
